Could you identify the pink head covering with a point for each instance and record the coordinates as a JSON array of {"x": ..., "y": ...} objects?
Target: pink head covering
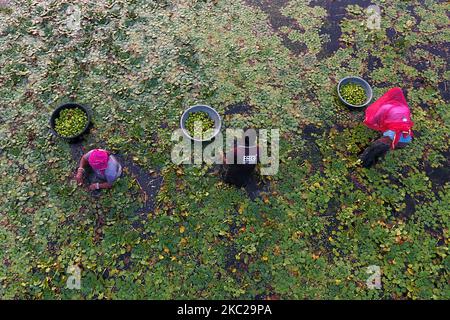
[{"x": 98, "y": 159}]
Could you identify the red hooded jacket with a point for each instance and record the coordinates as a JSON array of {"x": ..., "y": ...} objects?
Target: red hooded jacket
[{"x": 390, "y": 112}]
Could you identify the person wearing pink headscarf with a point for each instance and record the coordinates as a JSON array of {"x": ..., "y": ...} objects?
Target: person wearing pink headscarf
[{"x": 105, "y": 166}]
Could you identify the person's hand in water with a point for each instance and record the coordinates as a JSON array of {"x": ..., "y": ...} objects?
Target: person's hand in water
[
  {"x": 79, "y": 176},
  {"x": 97, "y": 186}
]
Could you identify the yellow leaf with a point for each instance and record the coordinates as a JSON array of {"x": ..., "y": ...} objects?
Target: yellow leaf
[{"x": 182, "y": 228}]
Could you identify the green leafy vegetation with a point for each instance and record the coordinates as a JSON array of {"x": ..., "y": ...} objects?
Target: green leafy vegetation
[{"x": 309, "y": 232}]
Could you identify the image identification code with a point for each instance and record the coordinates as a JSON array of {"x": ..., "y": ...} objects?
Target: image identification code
[{"x": 225, "y": 309}]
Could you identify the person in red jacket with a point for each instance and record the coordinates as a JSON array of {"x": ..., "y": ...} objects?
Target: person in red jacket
[{"x": 390, "y": 115}]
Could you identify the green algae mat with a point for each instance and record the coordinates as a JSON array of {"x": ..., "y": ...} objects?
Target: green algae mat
[{"x": 315, "y": 230}]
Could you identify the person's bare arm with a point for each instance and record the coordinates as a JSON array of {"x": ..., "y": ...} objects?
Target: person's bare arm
[
  {"x": 83, "y": 162},
  {"x": 97, "y": 186},
  {"x": 80, "y": 170}
]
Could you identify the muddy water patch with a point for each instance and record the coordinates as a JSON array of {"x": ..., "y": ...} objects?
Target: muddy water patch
[
  {"x": 238, "y": 108},
  {"x": 277, "y": 20},
  {"x": 438, "y": 176},
  {"x": 76, "y": 150},
  {"x": 331, "y": 28},
  {"x": 256, "y": 187},
  {"x": 444, "y": 89},
  {"x": 149, "y": 182}
]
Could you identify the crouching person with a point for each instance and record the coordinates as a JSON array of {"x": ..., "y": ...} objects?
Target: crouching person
[
  {"x": 381, "y": 146},
  {"x": 241, "y": 161},
  {"x": 102, "y": 168},
  {"x": 390, "y": 115}
]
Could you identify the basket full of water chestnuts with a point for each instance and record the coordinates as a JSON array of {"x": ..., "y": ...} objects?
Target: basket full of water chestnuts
[
  {"x": 70, "y": 121},
  {"x": 200, "y": 123},
  {"x": 354, "y": 92}
]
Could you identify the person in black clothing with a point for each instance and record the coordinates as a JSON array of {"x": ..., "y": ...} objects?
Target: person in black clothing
[
  {"x": 380, "y": 147},
  {"x": 240, "y": 163}
]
